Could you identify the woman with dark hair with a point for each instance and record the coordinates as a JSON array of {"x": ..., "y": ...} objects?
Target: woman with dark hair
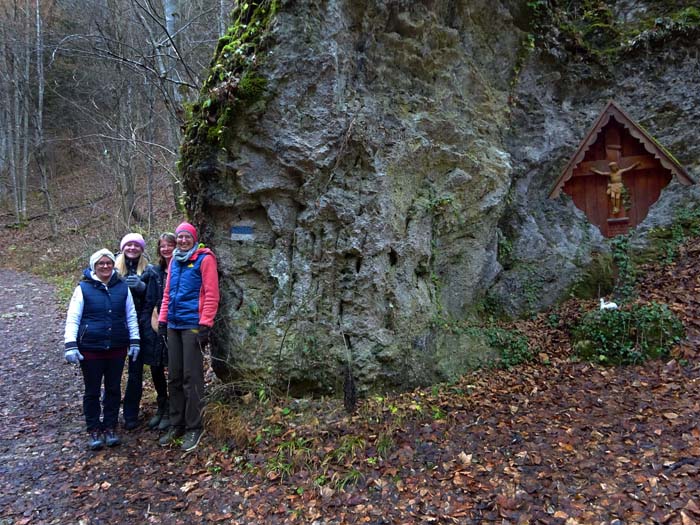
[
  {"x": 101, "y": 330},
  {"x": 158, "y": 357}
]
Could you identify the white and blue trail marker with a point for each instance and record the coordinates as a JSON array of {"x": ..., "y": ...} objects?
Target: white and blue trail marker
[{"x": 242, "y": 232}]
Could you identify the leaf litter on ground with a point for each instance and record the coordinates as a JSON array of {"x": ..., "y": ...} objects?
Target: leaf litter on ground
[{"x": 555, "y": 441}]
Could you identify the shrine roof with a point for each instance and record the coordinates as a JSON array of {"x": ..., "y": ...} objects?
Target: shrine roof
[{"x": 652, "y": 146}]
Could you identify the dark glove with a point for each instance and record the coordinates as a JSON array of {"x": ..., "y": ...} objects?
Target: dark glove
[
  {"x": 136, "y": 285},
  {"x": 203, "y": 335},
  {"x": 163, "y": 330}
]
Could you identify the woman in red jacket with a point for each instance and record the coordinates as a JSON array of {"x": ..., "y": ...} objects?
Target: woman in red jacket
[{"x": 190, "y": 302}]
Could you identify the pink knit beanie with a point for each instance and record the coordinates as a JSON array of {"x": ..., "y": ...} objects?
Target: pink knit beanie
[
  {"x": 132, "y": 237},
  {"x": 187, "y": 227}
]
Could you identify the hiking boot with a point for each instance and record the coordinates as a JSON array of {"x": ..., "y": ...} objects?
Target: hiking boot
[
  {"x": 95, "y": 440},
  {"x": 172, "y": 434},
  {"x": 161, "y": 420},
  {"x": 191, "y": 439},
  {"x": 111, "y": 438},
  {"x": 155, "y": 421},
  {"x": 131, "y": 424},
  {"x": 164, "y": 423}
]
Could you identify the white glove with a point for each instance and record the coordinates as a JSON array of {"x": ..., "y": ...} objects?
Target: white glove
[
  {"x": 73, "y": 356},
  {"x": 134, "y": 352}
]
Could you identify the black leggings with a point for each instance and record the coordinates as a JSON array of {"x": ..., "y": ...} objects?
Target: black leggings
[{"x": 161, "y": 385}]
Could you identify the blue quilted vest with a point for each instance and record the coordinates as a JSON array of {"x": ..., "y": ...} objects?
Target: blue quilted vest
[
  {"x": 185, "y": 286},
  {"x": 103, "y": 325}
]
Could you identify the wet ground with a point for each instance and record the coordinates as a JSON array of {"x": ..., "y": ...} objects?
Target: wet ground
[
  {"x": 46, "y": 473},
  {"x": 562, "y": 443}
]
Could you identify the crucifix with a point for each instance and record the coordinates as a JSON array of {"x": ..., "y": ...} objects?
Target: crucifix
[
  {"x": 615, "y": 186},
  {"x": 617, "y": 172},
  {"x": 616, "y": 165}
]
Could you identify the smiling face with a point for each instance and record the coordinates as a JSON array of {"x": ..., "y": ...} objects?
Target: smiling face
[
  {"x": 132, "y": 250},
  {"x": 165, "y": 249},
  {"x": 185, "y": 241},
  {"x": 103, "y": 268}
]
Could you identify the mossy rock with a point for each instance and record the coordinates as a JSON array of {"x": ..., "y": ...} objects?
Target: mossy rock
[{"x": 597, "y": 279}]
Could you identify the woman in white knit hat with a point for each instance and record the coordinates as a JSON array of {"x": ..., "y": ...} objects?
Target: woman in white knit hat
[{"x": 101, "y": 330}]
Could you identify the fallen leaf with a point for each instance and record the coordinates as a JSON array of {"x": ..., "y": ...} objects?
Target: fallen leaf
[
  {"x": 465, "y": 458},
  {"x": 692, "y": 507},
  {"x": 189, "y": 485}
]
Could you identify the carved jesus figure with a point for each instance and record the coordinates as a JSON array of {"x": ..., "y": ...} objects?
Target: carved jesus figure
[{"x": 615, "y": 185}]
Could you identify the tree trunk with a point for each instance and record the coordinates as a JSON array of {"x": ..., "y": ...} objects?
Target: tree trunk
[
  {"x": 39, "y": 146},
  {"x": 25, "y": 102}
]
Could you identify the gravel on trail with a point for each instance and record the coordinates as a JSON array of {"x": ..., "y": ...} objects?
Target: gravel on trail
[
  {"x": 47, "y": 475},
  {"x": 560, "y": 443}
]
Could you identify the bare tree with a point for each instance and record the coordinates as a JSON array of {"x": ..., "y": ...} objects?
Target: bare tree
[
  {"x": 15, "y": 65},
  {"x": 100, "y": 89},
  {"x": 39, "y": 146}
]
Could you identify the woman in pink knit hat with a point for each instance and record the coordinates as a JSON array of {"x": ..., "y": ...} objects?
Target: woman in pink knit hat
[
  {"x": 190, "y": 303},
  {"x": 134, "y": 268}
]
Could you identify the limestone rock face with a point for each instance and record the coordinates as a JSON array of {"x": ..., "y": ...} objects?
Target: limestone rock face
[
  {"x": 557, "y": 97},
  {"x": 398, "y": 146}
]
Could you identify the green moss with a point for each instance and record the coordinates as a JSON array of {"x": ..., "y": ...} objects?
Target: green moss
[
  {"x": 505, "y": 251},
  {"x": 665, "y": 242},
  {"x": 597, "y": 280},
  {"x": 251, "y": 88},
  {"x": 590, "y": 29},
  {"x": 689, "y": 15},
  {"x": 233, "y": 88}
]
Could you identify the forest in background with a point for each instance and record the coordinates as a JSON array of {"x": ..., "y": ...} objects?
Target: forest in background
[
  {"x": 556, "y": 440},
  {"x": 92, "y": 99}
]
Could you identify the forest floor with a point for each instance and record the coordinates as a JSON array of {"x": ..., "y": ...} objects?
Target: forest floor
[{"x": 553, "y": 442}]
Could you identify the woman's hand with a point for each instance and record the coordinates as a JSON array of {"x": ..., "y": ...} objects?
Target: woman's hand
[
  {"x": 135, "y": 284},
  {"x": 203, "y": 335},
  {"x": 73, "y": 356},
  {"x": 134, "y": 352}
]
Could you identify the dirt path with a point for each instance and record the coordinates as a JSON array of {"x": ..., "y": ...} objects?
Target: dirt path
[
  {"x": 561, "y": 444},
  {"x": 38, "y": 403},
  {"x": 46, "y": 473}
]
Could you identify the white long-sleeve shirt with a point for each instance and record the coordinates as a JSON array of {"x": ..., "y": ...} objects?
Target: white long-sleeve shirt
[{"x": 75, "y": 314}]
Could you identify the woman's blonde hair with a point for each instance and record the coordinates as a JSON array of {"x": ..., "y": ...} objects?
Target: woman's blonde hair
[{"x": 120, "y": 265}]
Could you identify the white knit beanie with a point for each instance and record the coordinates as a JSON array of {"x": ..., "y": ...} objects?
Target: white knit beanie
[{"x": 104, "y": 252}]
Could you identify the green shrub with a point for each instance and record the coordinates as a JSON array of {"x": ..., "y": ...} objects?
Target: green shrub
[
  {"x": 512, "y": 346},
  {"x": 621, "y": 337}
]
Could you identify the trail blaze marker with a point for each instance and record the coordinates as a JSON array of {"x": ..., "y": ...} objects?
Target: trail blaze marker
[{"x": 242, "y": 232}]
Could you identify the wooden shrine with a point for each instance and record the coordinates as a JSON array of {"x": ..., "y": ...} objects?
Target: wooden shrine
[{"x": 617, "y": 173}]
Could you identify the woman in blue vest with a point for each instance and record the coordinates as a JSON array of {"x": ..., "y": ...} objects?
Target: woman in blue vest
[
  {"x": 190, "y": 303},
  {"x": 101, "y": 330}
]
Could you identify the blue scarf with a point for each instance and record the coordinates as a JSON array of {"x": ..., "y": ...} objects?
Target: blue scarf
[{"x": 181, "y": 256}]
